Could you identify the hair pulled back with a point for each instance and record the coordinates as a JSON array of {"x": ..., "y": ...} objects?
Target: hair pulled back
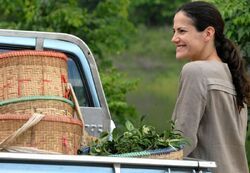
[{"x": 203, "y": 15}]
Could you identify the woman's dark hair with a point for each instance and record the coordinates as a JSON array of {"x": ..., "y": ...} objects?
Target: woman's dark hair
[{"x": 204, "y": 14}]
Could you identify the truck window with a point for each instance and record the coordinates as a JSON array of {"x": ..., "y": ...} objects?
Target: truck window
[{"x": 79, "y": 84}]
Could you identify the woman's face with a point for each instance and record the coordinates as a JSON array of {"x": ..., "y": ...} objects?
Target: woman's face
[{"x": 189, "y": 42}]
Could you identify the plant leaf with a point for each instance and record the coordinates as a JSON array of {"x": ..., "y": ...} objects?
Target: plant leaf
[{"x": 129, "y": 126}]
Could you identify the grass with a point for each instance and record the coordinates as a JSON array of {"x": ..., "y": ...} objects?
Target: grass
[{"x": 151, "y": 59}]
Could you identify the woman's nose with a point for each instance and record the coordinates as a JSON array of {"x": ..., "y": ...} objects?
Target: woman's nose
[{"x": 174, "y": 38}]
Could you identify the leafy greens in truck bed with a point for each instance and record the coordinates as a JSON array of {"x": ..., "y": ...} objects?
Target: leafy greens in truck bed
[{"x": 136, "y": 139}]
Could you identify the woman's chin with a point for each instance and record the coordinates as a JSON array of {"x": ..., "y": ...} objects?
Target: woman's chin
[{"x": 180, "y": 57}]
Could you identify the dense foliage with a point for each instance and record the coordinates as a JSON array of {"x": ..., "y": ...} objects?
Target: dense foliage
[
  {"x": 104, "y": 28},
  {"x": 116, "y": 87},
  {"x": 154, "y": 12},
  {"x": 135, "y": 139},
  {"x": 236, "y": 14}
]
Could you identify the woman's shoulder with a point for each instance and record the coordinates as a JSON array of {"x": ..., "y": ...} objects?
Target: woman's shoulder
[
  {"x": 199, "y": 67},
  {"x": 194, "y": 67},
  {"x": 193, "y": 74},
  {"x": 196, "y": 64}
]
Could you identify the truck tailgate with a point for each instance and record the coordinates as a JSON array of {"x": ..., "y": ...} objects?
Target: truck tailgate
[{"x": 36, "y": 163}]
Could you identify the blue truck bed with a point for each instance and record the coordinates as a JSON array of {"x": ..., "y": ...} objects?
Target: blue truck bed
[{"x": 35, "y": 163}]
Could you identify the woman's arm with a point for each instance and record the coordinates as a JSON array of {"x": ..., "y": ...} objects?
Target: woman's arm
[{"x": 190, "y": 104}]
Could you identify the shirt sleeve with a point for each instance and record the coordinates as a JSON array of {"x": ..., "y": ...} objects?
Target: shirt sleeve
[{"x": 190, "y": 104}]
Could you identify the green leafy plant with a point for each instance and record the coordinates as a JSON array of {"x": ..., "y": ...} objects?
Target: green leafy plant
[{"x": 136, "y": 139}]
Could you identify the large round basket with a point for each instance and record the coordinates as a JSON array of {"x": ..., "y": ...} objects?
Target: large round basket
[
  {"x": 32, "y": 73},
  {"x": 52, "y": 133}
]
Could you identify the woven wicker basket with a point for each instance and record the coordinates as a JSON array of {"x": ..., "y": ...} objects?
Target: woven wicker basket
[
  {"x": 46, "y": 105},
  {"x": 32, "y": 73},
  {"x": 52, "y": 133},
  {"x": 34, "y": 89},
  {"x": 169, "y": 153}
]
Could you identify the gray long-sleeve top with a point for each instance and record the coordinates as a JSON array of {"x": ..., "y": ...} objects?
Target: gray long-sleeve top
[{"x": 207, "y": 114}]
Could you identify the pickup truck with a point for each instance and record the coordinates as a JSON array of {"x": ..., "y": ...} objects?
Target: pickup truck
[{"x": 84, "y": 77}]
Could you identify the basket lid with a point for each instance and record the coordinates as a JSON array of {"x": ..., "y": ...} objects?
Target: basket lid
[{"x": 33, "y": 53}]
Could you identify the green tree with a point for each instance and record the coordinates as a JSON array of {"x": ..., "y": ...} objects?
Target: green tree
[
  {"x": 154, "y": 12},
  {"x": 103, "y": 25},
  {"x": 236, "y": 14}
]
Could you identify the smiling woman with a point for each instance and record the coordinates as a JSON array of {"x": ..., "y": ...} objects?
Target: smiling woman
[
  {"x": 190, "y": 43},
  {"x": 211, "y": 108}
]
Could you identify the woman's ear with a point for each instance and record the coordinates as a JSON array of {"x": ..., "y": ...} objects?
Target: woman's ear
[{"x": 209, "y": 33}]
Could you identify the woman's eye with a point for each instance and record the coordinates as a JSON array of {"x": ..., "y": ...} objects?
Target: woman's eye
[
  {"x": 182, "y": 31},
  {"x": 179, "y": 31}
]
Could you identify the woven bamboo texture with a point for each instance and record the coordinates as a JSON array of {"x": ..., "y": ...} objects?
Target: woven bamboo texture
[
  {"x": 57, "y": 106},
  {"x": 32, "y": 83},
  {"x": 32, "y": 73},
  {"x": 174, "y": 155},
  {"x": 52, "y": 133}
]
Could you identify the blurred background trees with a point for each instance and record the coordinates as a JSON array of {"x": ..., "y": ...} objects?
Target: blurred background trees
[
  {"x": 236, "y": 14},
  {"x": 153, "y": 12}
]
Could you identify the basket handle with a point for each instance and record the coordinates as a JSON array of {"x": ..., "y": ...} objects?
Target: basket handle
[
  {"x": 33, "y": 120},
  {"x": 77, "y": 107},
  {"x": 86, "y": 138}
]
